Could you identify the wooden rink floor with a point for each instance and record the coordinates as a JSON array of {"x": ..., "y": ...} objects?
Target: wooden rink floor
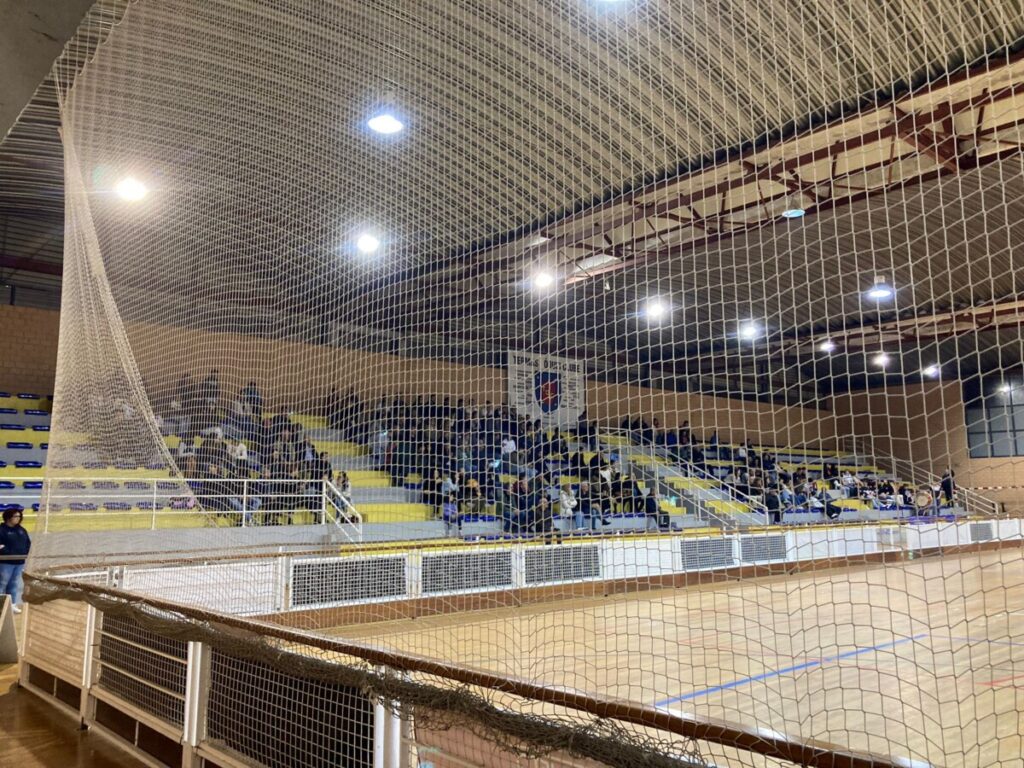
[{"x": 921, "y": 660}]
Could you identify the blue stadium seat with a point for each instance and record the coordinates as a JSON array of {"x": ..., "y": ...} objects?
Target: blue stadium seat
[
  {"x": 36, "y": 507},
  {"x": 6, "y": 485},
  {"x": 30, "y": 412},
  {"x": 6, "y": 411},
  {"x": 136, "y": 485},
  {"x": 5, "y": 394},
  {"x": 71, "y": 485},
  {"x": 32, "y": 484},
  {"x": 29, "y": 396},
  {"x": 125, "y": 465},
  {"x": 105, "y": 485},
  {"x": 94, "y": 464},
  {"x": 40, "y": 427},
  {"x": 17, "y": 446},
  {"x": 15, "y": 427},
  {"x": 163, "y": 485},
  {"x": 15, "y": 507},
  {"x": 120, "y": 506},
  {"x": 80, "y": 506}
]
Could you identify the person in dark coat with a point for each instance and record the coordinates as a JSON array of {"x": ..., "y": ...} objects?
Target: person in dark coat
[{"x": 15, "y": 544}]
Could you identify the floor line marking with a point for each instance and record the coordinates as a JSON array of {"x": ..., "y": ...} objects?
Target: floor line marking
[{"x": 786, "y": 670}]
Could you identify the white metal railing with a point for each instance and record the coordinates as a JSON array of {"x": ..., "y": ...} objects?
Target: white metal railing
[
  {"x": 340, "y": 510},
  {"x": 682, "y": 468},
  {"x": 972, "y": 502},
  {"x": 244, "y": 501}
]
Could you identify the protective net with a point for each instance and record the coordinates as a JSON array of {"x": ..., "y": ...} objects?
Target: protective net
[{"x": 454, "y": 383}]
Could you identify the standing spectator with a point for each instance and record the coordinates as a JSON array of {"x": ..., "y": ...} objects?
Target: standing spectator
[
  {"x": 15, "y": 544},
  {"x": 774, "y": 506},
  {"x": 209, "y": 390},
  {"x": 432, "y": 495},
  {"x": 948, "y": 485}
]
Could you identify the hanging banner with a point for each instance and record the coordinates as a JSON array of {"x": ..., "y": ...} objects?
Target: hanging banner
[{"x": 551, "y": 389}]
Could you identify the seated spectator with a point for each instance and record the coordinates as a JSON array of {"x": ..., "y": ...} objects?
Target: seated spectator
[
  {"x": 544, "y": 517},
  {"x": 473, "y": 497},
  {"x": 568, "y": 506},
  {"x": 851, "y": 485},
  {"x": 451, "y": 515},
  {"x": 187, "y": 447},
  {"x": 653, "y": 513}
]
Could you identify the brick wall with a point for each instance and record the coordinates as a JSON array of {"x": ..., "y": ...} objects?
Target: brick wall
[{"x": 28, "y": 349}]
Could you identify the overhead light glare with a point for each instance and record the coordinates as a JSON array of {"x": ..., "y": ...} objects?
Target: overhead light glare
[
  {"x": 749, "y": 331},
  {"x": 543, "y": 280},
  {"x": 367, "y": 243},
  {"x": 881, "y": 359},
  {"x": 385, "y": 123},
  {"x": 793, "y": 213},
  {"x": 131, "y": 189},
  {"x": 656, "y": 309},
  {"x": 827, "y": 346},
  {"x": 932, "y": 371},
  {"x": 881, "y": 291}
]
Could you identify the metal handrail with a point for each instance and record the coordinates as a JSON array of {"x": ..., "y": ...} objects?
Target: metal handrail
[
  {"x": 200, "y": 490},
  {"x": 690, "y": 470},
  {"x": 331, "y": 495},
  {"x": 973, "y": 502}
]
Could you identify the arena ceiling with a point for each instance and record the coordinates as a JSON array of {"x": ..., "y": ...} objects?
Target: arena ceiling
[{"x": 654, "y": 174}]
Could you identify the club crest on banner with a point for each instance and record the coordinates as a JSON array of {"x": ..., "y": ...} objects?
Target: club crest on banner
[
  {"x": 550, "y": 389},
  {"x": 547, "y": 389}
]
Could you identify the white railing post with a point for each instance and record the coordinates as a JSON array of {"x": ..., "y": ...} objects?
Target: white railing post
[
  {"x": 153, "y": 525},
  {"x": 245, "y": 498},
  {"x": 323, "y": 502},
  {"x": 197, "y": 696},
  {"x": 46, "y": 506}
]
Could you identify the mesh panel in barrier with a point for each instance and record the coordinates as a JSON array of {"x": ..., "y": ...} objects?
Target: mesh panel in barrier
[
  {"x": 281, "y": 720},
  {"x": 440, "y": 298},
  {"x": 461, "y": 571},
  {"x": 143, "y": 668},
  {"x": 757, "y": 549},
  {"x": 707, "y": 553},
  {"x": 568, "y": 564},
  {"x": 345, "y": 581}
]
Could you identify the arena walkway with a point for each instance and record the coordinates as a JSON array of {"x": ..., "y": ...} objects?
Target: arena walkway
[{"x": 35, "y": 735}]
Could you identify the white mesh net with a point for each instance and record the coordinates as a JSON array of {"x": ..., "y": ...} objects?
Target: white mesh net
[{"x": 626, "y": 352}]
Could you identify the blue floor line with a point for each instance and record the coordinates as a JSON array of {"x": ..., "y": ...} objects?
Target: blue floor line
[{"x": 786, "y": 670}]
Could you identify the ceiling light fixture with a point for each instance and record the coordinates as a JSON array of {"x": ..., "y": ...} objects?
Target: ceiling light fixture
[
  {"x": 827, "y": 346},
  {"x": 881, "y": 290},
  {"x": 881, "y": 359}
]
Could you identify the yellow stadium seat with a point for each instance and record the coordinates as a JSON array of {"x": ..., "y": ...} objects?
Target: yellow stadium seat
[
  {"x": 395, "y": 513},
  {"x": 23, "y": 436},
  {"x": 340, "y": 448},
  {"x": 727, "y": 506}
]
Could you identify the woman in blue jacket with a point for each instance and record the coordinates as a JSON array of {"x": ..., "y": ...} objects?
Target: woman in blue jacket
[{"x": 14, "y": 547}]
